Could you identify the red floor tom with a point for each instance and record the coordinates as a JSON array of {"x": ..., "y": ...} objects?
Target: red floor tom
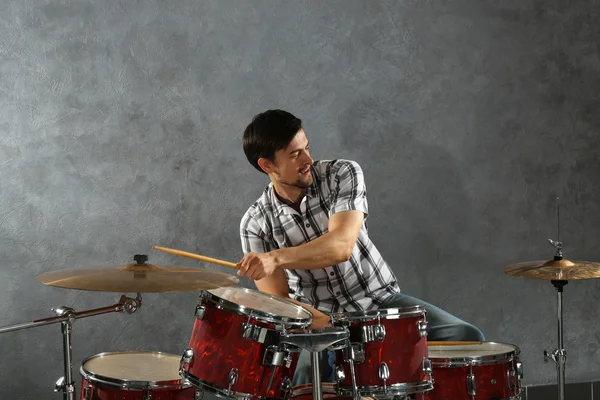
[{"x": 481, "y": 371}]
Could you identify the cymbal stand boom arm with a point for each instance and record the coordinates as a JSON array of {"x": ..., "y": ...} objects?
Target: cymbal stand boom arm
[{"x": 66, "y": 316}]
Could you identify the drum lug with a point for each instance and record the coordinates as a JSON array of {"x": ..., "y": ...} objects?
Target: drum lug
[
  {"x": 87, "y": 392},
  {"x": 427, "y": 368},
  {"x": 520, "y": 370},
  {"x": 232, "y": 379},
  {"x": 354, "y": 352},
  {"x": 198, "y": 394},
  {"x": 384, "y": 374},
  {"x": 422, "y": 326},
  {"x": 340, "y": 375},
  {"x": 186, "y": 359},
  {"x": 512, "y": 380},
  {"x": 471, "y": 387},
  {"x": 200, "y": 310},
  {"x": 147, "y": 396},
  {"x": 286, "y": 388},
  {"x": 254, "y": 332},
  {"x": 273, "y": 357}
]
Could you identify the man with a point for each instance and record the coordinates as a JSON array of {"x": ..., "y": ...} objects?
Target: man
[{"x": 306, "y": 239}]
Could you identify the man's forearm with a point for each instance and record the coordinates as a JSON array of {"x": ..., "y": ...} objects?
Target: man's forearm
[{"x": 325, "y": 251}]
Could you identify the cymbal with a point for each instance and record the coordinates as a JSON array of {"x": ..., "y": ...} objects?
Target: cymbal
[
  {"x": 138, "y": 278},
  {"x": 560, "y": 270}
]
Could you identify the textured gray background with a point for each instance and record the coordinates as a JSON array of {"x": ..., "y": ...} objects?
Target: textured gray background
[{"x": 121, "y": 123}]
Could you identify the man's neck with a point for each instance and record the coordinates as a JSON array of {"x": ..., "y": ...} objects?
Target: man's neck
[{"x": 289, "y": 195}]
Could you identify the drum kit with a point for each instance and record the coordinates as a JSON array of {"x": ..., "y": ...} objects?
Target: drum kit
[{"x": 245, "y": 344}]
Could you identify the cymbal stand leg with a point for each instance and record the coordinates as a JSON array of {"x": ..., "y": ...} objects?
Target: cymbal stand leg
[
  {"x": 559, "y": 356},
  {"x": 66, "y": 383},
  {"x": 316, "y": 375}
]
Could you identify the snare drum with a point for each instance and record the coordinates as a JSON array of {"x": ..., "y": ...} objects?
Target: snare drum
[
  {"x": 234, "y": 350},
  {"x": 134, "y": 375},
  {"x": 388, "y": 353},
  {"x": 483, "y": 371}
]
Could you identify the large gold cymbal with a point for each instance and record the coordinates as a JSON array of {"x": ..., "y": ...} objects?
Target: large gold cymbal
[
  {"x": 558, "y": 270},
  {"x": 138, "y": 278}
]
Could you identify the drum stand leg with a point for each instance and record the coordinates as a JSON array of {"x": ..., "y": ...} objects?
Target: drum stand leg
[
  {"x": 66, "y": 383},
  {"x": 559, "y": 356},
  {"x": 316, "y": 375}
]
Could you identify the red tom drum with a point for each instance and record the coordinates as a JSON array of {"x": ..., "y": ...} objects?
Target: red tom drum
[
  {"x": 388, "y": 356},
  {"x": 134, "y": 375},
  {"x": 480, "y": 371},
  {"x": 234, "y": 350}
]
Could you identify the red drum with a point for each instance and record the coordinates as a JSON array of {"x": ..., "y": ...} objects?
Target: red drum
[
  {"x": 481, "y": 371},
  {"x": 304, "y": 392},
  {"x": 234, "y": 350},
  {"x": 388, "y": 353},
  {"x": 134, "y": 375}
]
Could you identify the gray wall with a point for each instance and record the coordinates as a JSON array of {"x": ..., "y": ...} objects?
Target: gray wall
[{"x": 121, "y": 122}]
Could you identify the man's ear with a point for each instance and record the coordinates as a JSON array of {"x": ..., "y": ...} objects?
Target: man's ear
[{"x": 266, "y": 165}]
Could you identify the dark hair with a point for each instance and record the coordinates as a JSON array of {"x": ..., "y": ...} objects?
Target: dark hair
[{"x": 268, "y": 132}]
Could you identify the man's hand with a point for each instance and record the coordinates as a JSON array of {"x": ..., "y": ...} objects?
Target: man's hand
[{"x": 257, "y": 265}]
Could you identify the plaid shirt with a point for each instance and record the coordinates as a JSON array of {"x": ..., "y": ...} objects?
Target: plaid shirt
[{"x": 361, "y": 283}]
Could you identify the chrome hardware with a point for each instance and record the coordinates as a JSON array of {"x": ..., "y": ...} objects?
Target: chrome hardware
[
  {"x": 422, "y": 326},
  {"x": 273, "y": 357},
  {"x": 471, "y": 387},
  {"x": 340, "y": 375},
  {"x": 147, "y": 396},
  {"x": 254, "y": 332},
  {"x": 186, "y": 359},
  {"x": 200, "y": 310},
  {"x": 232, "y": 379},
  {"x": 493, "y": 381},
  {"x": 513, "y": 384},
  {"x": 198, "y": 394},
  {"x": 427, "y": 367},
  {"x": 372, "y": 333},
  {"x": 87, "y": 392},
  {"x": 316, "y": 340},
  {"x": 60, "y": 384},
  {"x": 354, "y": 352},
  {"x": 286, "y": 388},
  {"x": 520, "y": 370},
  {"x": 384, "y": 374},
  {"x": 288, "y": 359}
]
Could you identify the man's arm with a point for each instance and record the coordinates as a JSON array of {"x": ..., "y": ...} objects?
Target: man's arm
[
  {"x": 276, "y": 284},
  {"x": 331, "y": 248}
]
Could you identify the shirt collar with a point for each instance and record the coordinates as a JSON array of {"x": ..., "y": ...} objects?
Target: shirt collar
[{"x": 281, "y": 207}]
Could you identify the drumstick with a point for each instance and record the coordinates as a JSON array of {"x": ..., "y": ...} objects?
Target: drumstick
[
  {"x": 196, "y": 256},
  {"x": 449, "y": 343}
]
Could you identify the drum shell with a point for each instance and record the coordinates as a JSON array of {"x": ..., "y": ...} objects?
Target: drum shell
[
  {"x": 219, "y": 347},
  {"x": 493, "y": 378},
  {"x": 403, "y": 350}
]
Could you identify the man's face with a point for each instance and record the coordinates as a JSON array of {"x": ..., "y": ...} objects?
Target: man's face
[{"x": 291, "y": 166}]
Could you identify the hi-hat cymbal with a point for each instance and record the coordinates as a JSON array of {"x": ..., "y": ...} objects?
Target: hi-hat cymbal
[
  {"x": 558, "y": 270},
  {"x": 138, "y": 278}
]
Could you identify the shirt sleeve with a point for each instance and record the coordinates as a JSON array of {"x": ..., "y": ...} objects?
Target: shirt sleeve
[
  {"x": 349, "y": 189},
  {"x": 253, "y": 237}
]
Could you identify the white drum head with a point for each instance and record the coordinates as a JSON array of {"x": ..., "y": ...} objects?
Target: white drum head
[
  {"x": 136, "y": 368},
  {"x": 266, "y": 304},
  {"x": 478, "y": 353}
]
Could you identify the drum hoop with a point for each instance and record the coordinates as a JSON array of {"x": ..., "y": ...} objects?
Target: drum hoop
[
  {"x": 384, "y": 313},
  {"x": 126, "y": 384},
  {"x": 259, "y": 315},
  {"x": 457, "y": 362},
  {"x": 400, "y": 389}
]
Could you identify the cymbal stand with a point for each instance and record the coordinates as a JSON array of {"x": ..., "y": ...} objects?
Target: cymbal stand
[
  {"x": 559, "y": 355},
  {"x": 66, "y": 316}
]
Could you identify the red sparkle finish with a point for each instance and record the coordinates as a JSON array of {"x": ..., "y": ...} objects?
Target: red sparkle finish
[
  {"x": 403, "y": 350},
  {"x": 219, "y": 347},
  {"x": 101, "y": 391},
  {"x": 491, "y": 382}
]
